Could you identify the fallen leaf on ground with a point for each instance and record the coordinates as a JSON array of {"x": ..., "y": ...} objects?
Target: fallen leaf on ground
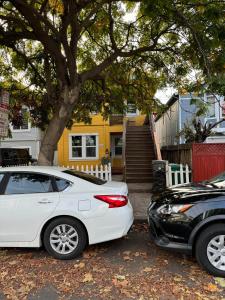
[
  {"x": 80, "y": 265},
  {"x": 106, "y": 290},
  {"x": 220, "y": 281},
  {"x": 177, "y": 278},
  {"x": 126, "y": 252},
  {"x": 88, "y": 277},
  {"x": 127, "y": 258},
  {"x": 147, "y": 269},
  {"x": 211, "y": 288}
]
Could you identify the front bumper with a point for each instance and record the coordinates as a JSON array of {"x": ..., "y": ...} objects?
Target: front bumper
[{"x": 162, "y": 239}]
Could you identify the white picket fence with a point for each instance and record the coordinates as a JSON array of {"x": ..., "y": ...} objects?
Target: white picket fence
[
  {"x": 103, "y": 172},
  {"x": 181, "y": 176}
]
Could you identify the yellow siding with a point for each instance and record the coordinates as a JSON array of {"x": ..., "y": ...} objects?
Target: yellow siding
[{"x": 98, "y": 126}]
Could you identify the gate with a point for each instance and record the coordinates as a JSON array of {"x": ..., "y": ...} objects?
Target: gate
[{"x": 208, "y": 160}]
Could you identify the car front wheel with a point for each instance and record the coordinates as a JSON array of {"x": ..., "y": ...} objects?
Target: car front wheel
[
  {"x": 65, "y": 238},
  {"x": 210, "y": 249}
]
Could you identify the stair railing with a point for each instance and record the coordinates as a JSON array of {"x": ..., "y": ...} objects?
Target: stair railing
[
  {"x": 154, "y": 137},
  {"x": 125, "y": 121}
]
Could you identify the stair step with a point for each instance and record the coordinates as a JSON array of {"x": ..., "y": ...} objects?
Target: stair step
[
  {"x": 143, "y": 127},
  {"x": 137, "y": 180},
  {"x": 140, "y": 151},
  {"x": 139, "y": 143},
  {"x": 141, "y": 168},
  {"x": 142, "y": 137},
  {"x": 131, "y": 156},
  {"x": 137, "y": 155},
  {"x": 136, "y": 134},
  {"x": 138, "y": 176}
]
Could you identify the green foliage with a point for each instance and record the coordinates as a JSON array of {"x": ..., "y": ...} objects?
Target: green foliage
[{"x": 163, "y": 43}]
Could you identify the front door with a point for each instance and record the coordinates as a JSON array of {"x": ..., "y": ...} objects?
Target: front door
[
  {"x": 116, "y": 152},
  {"x": 28, "y": 200}
]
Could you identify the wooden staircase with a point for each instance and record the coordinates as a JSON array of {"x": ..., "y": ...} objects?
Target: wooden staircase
[{"x": 139, "y": 154}]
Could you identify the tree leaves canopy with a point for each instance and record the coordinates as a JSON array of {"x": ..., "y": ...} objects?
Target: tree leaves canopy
[{"x": 94, "y": 45}]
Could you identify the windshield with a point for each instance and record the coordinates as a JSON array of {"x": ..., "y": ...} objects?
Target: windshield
[
  {"x": 218, "y": 181},
  {"x": 85, "y": 176}
]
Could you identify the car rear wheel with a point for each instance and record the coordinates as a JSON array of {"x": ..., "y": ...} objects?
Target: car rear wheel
[
  {"x": 65, "y": 238},
  {"x": 210, "y": 249}
]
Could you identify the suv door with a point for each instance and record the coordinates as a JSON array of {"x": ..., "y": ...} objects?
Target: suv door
[{"x": 27, "y": 201}]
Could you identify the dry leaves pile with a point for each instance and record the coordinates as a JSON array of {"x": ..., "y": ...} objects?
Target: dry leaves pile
[{"x": 129, "y": 268}]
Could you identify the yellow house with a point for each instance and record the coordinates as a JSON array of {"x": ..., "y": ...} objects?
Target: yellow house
[{"x": 87, "y": 144}]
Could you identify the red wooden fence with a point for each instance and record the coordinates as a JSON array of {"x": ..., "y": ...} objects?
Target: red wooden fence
[{"x": 208, "y": 160}]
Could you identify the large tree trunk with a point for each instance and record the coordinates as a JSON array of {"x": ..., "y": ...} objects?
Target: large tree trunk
[{"x": 57, "y": 125}]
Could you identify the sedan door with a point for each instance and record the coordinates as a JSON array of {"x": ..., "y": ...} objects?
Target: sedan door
[{"x": 28, "y": 200}]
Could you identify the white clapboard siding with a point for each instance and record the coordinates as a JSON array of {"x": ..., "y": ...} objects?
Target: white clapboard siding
[
  {"x": 180, "y": 176},
  {"x": 103, "y": 172}
]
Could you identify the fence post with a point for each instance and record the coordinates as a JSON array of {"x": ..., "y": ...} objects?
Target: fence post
[
  {"x": 187, "y": 174},
  {"x": 92, "y": 170},
  {"x": 170, "y": 177},
  {"x": 96, "y": 171},
  {"x": 176, "y": 177},
  {"x": 181, "y": 174},
  {"x": 110, "y": 171},
  {"x": 160, "y": 168},
  {"x": 101, "y": 172},
  {"x": 106, "y": 172}
]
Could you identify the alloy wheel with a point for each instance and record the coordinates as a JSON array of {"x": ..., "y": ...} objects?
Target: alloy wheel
[
  {"x": 64, "y": 239},
  {"x": 216, "y": 252}
]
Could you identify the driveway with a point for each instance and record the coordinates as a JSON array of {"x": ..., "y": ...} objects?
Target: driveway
[{"x": 129, "y": 268}]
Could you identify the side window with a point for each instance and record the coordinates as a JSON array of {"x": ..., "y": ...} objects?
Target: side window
[
  {"x": 28, "y": 183},
  {"x": 61, "y": 184},
  {"x": 1, "y": 177}
]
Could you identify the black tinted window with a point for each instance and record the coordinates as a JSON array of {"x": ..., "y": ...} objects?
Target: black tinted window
[
  {"x": 28, "y": 183},
  {"x": 85, "y": 176},
  {"x": 62, "y": 184},
  {"x": 1, "y": 177}
]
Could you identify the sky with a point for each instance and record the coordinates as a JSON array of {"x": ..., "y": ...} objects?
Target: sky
[{"x": 164, "y": 94}]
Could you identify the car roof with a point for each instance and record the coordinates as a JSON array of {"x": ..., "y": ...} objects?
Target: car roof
[{"x": 41, "y": 169}]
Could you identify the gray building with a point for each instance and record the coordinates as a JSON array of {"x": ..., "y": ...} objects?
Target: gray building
[
  {"x": 180, "y": 111},
  {"x": 24, "y": 136}
]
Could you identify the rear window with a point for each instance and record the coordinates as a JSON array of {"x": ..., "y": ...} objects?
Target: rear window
[{"x": 85, "y": 176}]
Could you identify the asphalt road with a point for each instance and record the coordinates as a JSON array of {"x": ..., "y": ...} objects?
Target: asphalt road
[{"x": 128, "y": 268}]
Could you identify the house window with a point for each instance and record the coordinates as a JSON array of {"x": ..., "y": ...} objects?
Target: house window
[
  {"x": 131, "y": 108},
  {"x": 84, "y": 146},
  {"x": 23, "y": 122},
  {"x": 118, "y": 146},
  {"x": 211, "y": 101}
]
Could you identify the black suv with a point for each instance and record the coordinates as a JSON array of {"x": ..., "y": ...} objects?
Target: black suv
[
  {"x": 14, "y": 156},
  {"x": 191, "y": 218}
]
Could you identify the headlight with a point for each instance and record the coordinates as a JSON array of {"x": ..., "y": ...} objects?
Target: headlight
[{"x": 168, "y": 209}]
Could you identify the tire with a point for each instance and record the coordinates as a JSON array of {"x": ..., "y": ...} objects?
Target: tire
[
  {"x": 208, "y": 244},
  {"x": 65, "y": 238}
]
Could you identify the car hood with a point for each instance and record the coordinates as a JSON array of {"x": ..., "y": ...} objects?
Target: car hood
[{"x": 188, "y": 192}]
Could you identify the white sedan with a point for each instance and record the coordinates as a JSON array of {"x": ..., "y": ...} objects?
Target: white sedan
[{"x": 63, "y": 209}]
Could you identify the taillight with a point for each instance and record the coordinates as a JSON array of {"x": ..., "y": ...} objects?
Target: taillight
[{"x": 113, "y": 200}]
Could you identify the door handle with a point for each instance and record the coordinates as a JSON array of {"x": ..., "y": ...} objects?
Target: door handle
[{"x": 44, "y": 201}]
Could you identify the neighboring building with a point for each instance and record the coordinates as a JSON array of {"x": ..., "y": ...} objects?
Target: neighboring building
[
  {"x": 88, "y": 144},
  {"x": 180, "y": 111},
  {"x": 24, "y": 136}
]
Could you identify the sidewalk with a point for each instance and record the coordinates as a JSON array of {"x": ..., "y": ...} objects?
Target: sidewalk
[{"x": 139, "y": 195}]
